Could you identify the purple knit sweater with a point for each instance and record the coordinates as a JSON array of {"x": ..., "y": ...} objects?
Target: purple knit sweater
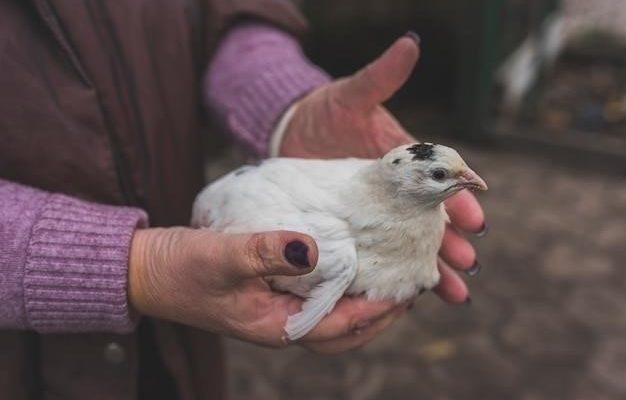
[{"x": 64, "y": 262}]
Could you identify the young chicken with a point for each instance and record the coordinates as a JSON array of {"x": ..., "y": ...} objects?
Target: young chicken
[{"x": 378, "y": 223}]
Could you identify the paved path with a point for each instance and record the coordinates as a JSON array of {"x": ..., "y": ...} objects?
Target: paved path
[{"x": 548, "y": 319}]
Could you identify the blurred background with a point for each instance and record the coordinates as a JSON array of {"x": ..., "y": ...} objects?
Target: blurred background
[{"x": 533, "y": 93}]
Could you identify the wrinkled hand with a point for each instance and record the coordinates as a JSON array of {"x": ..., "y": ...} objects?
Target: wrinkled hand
[
  {"x": 215, "y": 282},
  {"x": 346, "y": 118}
]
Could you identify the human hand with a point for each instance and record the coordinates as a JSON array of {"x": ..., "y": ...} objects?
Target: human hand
[
  {"x": 214, "y": 281},
  {"x": 346, "y": 118}
]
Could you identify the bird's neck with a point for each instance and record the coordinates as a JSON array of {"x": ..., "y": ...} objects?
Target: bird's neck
[
  {"x": 397, "y": 237},
  {"x": 370, "y": 193}
]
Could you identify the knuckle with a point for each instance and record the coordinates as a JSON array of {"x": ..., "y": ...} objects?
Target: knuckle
[{"x": 253, "y": 254}]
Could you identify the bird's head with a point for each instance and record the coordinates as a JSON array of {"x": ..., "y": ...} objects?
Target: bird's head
[{"x": 430, "y": 172}]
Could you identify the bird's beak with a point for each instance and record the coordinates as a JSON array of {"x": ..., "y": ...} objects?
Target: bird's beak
[{"x": 470, "y": 180}]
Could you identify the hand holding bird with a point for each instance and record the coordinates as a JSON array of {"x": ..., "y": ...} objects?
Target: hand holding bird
[
  {"x": 341, "y": 119},
  {"x": 345, "y": 118},
  {"x": 378, "y": 223}
]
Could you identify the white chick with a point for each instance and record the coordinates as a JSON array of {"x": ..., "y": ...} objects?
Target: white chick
[{"x": 378, "y": 223}]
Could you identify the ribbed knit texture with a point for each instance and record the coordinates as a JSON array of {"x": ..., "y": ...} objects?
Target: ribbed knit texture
[
  {"x": 66, "y": 264},
  {"x": 256, "y": 74}
]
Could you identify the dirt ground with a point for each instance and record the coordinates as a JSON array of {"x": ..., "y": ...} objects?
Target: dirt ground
[{"x": 548, "y": 319}]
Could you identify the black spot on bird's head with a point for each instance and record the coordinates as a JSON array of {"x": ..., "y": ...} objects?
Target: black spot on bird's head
[{"x": 422, "y": 151}]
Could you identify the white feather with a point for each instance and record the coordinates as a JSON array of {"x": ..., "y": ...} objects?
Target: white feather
[{"x": 322, "y": 298}]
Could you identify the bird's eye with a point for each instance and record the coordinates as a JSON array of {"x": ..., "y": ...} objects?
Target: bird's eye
[{"x": 439, "y": 174}]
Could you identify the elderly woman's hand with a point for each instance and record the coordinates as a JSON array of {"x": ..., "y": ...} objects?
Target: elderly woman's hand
[
  {"x": 346, "y": 118},
  {"x": 214, "y": 281}
]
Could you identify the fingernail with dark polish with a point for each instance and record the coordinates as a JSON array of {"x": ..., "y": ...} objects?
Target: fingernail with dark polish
[
  {"x": 475, "y": 270},
  {"x": 416, "y": 38},
  {"x": 297, "y": 253},
  {"x": 484, "y": 230},
  {"x": 468, "y": 301}
]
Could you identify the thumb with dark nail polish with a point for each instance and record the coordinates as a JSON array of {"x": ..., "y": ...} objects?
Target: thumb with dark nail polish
[{"x": 297, "y": 254}]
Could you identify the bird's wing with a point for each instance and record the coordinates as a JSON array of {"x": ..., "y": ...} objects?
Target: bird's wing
[
  {"x": 340, "y": 268},
  {"x": 281, "y": 193}
]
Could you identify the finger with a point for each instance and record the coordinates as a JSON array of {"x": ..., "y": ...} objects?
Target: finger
[
  {"x": 351, "y": 342},
  {"x": 465, "y": 212},
  {"x": 451, "y": 287},
  {"x": 366, "y": 325},
  {"x": 356, "y": 339},
  {"x": 350, "y": 313},
  {"x": 456, "y": 250},
  {"x": 379, "y": 80},
  {"x": 268, "y": 253}
]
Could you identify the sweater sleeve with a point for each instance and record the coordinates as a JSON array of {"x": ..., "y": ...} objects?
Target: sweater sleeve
[
  {"x": 63, "y": 262},
  {"x": 257, "y": 72}
]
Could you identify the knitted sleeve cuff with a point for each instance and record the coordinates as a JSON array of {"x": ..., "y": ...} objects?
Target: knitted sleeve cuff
[
  {"x": 256, "y": 74},
  {"x": 76, "y": 269}
]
